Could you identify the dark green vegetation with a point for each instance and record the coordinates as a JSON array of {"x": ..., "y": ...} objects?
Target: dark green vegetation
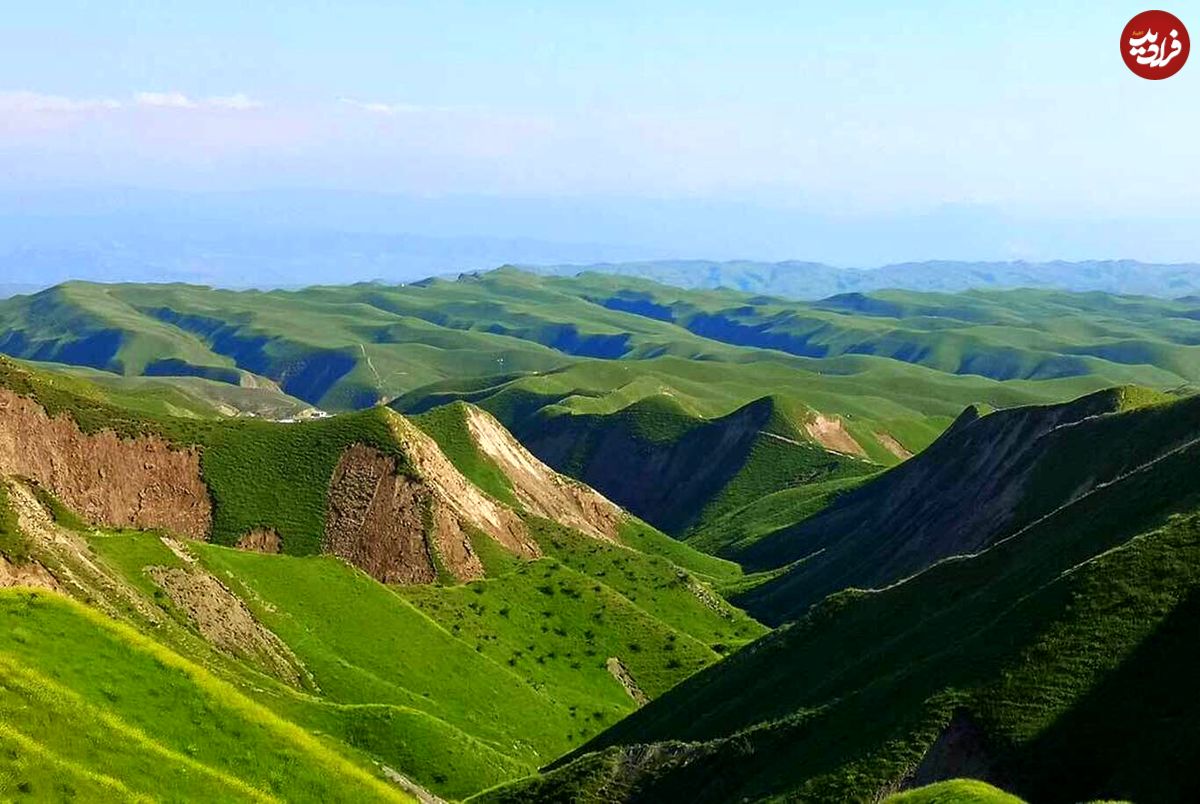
[
  {"x": 1056, "y": 662},
  {"x": 983, "y": 479}
]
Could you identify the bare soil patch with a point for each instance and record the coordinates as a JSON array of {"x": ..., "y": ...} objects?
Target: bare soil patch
[
  {"x": 223, "y": 619},
  {"x": 893, "y": 446},
  {"x": 135, "y": 483},
  {"x": 540, "y": 489},
  {"x": 829, "y": 432},
  {"x": 621, "y": 673},
  {"x": 31, "y": 574}
]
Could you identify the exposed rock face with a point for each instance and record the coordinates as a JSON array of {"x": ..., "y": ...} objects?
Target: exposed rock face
[
  {"x": 829, "y": 432},
  {"x": 225, "y": 621},
  {"x": 621, "y": 673},
  {"x": 463, "y": 498},
  {"x": 893, "y": 446},
  {"x": 539, "y": 488},
  {"x": 30, "y": 574},
  {"x": 400, "y": 528},
  {"x": 377, "y": 518},
  {"x": 137, "y": 483}
]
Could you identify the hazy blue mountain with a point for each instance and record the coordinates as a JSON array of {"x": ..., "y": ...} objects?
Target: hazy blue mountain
[{"x": 808, "y": 280}]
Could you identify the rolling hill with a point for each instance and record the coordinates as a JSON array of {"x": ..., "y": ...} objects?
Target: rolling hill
[
  {"x": 596, "y": 374},
  {"x": 330, "y": 571},
  {"x": 1054, "y": 662},
  {"x": 545, "y": 570}
]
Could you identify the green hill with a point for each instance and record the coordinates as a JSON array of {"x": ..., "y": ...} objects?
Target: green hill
[
  {"x": 573, "y": 613},
  {"x": 984, "y": 479},
  {"x": 1055, "y": 663},
  {"x": 599, "y": 373}
]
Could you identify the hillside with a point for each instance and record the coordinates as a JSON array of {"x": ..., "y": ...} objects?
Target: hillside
[
  {"x": 256, "y": 551},
  {"x": 985, "y": 478},
  {"x": 348, "y": 347},
  {"x": 1055, "y": 663},
  {"x": 1015, "y": 334},
  {"x": 597, "y": 374}
]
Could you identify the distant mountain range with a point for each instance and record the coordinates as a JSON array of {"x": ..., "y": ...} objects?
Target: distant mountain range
[{"x": 811, "y": 280}]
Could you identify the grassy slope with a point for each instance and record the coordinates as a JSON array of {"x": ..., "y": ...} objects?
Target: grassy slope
[
  {"x": 435, "y": 753},
  {"x": 1000, "y": 334},
  {"x": 92, "y": 707},
  {"x": 983, "y": 480},
  {"x": 393, "y": 654},
  {"x": 1036, "y": 638},
  {"x": 350, "y": 346},
  {"x": 769, "y": 517}
]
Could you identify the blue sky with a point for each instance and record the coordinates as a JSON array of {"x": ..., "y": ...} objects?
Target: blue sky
[{"x": 870, "y": 110}]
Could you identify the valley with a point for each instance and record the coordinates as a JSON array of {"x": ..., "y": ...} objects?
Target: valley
[{"x": 523, "y": 538}]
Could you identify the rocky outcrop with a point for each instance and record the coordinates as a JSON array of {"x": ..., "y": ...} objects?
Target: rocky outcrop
[
  {"x": 225, "y": 621},
  {"x": 405, "y": 525},
  {"x": 142, "y": 482},
  {"x": 28, "y": 574},
  {"x": 540, "y": 489},
  {"x": 376, "y": 518},
  {"x": 831, "y": 433},
  {"x": 458, "y": 495}
]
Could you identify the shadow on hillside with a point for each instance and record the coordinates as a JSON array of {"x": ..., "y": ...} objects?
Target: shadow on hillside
[{"x": 1134, "y": 737}]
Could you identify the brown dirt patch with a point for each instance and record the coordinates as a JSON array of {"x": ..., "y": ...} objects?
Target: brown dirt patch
[
  {"x": 829, "y": 432},
  {"x": 261, "y": 540},
  {"x": 376, "y": 518},
  {"x": 223, "y": 619},
  {"x": 888, "y": 442},
  {"x": 69, "y": 559},
  {"x": 540, "y": 489},
  {"x": 621, "y": 673},
  {"x": 137, "y": 483},
  {"x": 30, "y": 574},
  {"x": 401, "y": 529}
]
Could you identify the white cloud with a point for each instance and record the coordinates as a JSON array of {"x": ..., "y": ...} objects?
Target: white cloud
[
  {"x": 389, "y": 109},
  {"x": 25, "y": 101},
  {"x": 166, "y": 100},
  {"x": 237, "y": 102}
]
